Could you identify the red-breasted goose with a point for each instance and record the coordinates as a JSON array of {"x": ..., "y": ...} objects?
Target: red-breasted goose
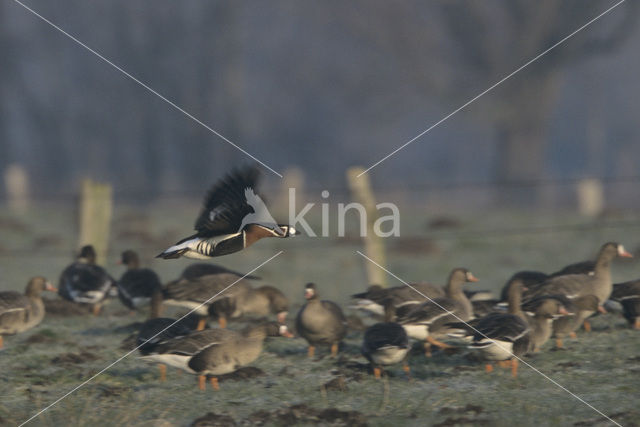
[
  {"x": 427, "y": 321},
  {"x": 232, "y": 219},
  {"x": 136, "y": 285},
  {"x": 199, "y": 293},
  {"x": 386, "y": 344},
  {"x": 20, "y": 312},
  {"x": 320, "y": 322},
  {"x": 214, "y": 352},
  {"x": 86, "y": 282},
  {"x": 628, "y": 295}
]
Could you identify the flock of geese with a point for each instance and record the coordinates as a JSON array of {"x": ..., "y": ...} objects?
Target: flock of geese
[{"x": 533, "y": 306}]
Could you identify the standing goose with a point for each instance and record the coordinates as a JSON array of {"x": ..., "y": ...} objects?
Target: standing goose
[
  {"x": 232, "y": 219},
  {"x": 378, "y": 300},
  {"x": 628, "y": 294},
  {"x": 259, "y": 302},
  {"x": 202, "y": 292},
  {"x": 386, "y": 344},
  {"x": 543, "y": 312},
  {"x": 320, "y": 322},
  {"x": 157, "y": 330},
  {"x": 21, "y": 312},
  {"x": 198, "y": 269},
  {"x": 503, "y": 337},
  {"x": 428, "y": 321},
  {"x": 86, "y": 282},
  {"x": 214, "y": 352},
  {"x": 580, "y": 307},
  {"x": 137, "y": 285},
  {"x": 578, "y": 285}
]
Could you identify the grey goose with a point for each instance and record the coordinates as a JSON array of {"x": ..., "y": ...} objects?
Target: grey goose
[
  {"x": 428, "y": 321},
  {"x": 320, "y": 322},
  {"x": 215, "y": 352},
  {"x": 20, "y": 312}
]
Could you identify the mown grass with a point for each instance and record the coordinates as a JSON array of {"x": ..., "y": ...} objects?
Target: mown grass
[{"x": 41, "y": 365}]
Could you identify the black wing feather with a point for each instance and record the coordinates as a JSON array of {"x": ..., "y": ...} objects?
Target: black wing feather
[{"x": 226, "y": 204}]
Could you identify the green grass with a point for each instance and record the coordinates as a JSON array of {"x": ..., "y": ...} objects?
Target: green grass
[{"x": 601, "y": 367}]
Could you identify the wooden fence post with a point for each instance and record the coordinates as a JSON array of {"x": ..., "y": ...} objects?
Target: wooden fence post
[
  {"x": 590, "y": 197},
  {"x": 373, "y": 244},
  {"x": 16, "y": 182},
  {"x": 96, "y": 209}
]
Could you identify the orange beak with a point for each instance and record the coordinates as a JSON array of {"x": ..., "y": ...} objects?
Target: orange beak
[
  {"x": 49, "y": 287},
  {"x": 602, "y": 310},
  {"x": 625, "y": 254},
  {"x": 472, "y": 278},
  {"x": 563, "y": 311}
]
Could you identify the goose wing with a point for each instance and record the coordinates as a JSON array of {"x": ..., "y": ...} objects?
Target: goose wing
[{"x": 225, "y": 205}]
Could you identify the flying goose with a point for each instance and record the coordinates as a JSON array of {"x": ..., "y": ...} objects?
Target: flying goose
[{"x": 232, "y": 219}]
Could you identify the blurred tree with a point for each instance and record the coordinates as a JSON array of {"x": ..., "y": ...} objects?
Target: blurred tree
[{"x": 484, "y": 41}]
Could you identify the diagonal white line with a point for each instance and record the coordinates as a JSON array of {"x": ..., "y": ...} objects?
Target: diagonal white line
[
  {"x": 498, "y": 83},
  {"x": 135, "y": 349},
  {"x": 495, "y": 342},
  {"x": 147, "y": 87}
]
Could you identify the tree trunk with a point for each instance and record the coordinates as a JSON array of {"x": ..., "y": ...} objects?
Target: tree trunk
[{"x": 520, "y": 163}]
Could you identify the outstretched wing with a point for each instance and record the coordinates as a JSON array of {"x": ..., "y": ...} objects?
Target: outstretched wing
[{"x": 225, "y": 204}]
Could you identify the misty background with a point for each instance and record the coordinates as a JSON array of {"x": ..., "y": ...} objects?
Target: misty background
[{"x": 320, "y": 87}]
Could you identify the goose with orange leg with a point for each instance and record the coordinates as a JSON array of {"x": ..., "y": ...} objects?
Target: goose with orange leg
[
  {"x": 198, "y": 294},
  {"x": 158, "y": 330},
  {"x": 320, "y": 322},
  {"x": 428, "y": 321},
  {"x": 215, "y": 352},
  {"x": 578, "y": 285},
  {"x": 503, "y": 338},
  {"x": 386, "y": 344}
]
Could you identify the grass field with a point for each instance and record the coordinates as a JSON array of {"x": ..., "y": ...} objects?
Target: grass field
[{"x": 39, "y": 366}]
